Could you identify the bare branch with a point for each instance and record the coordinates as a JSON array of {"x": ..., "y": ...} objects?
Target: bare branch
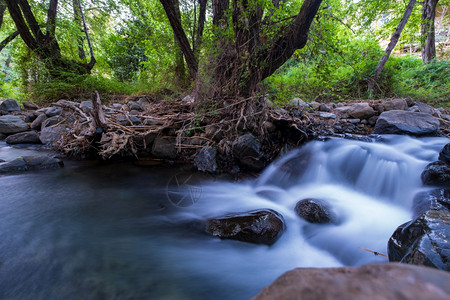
[{"x": 9, "y": 39}]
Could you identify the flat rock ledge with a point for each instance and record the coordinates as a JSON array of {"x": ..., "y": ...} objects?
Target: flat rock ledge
[{"x": 388, "y": 281}]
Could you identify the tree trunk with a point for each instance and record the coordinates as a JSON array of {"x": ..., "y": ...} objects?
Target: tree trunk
[
  {"x": 2, "y": 11},
  {"x": 200, "y": 26},
  {"x": 394, "y": 39},
  {"x": 79, "y": 22},
  {"x": 427, "y": 30}
]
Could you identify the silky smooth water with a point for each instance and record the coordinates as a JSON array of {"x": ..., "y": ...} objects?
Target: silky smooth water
[{"x": 117, "y": 231}]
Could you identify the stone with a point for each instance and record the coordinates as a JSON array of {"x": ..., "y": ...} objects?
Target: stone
[
  {"x": 143, "y": 101},
  {"x": 2, "y": 136},
  {"x": 423, "y": 241},
  {"x": 324, "y": 107},
  {"x": 53, "y": 111},
  {"x": 299, "y": 102},
  {"x": 395, "y": 104},
  {"x": 29, "y": 105},
  {"x": 117, "y": 106},
  {"x": 315, "y": 211},
  {"x": 10, "y": 105},
  {"x": 12, "y": 124},
  {"x": 436, "y": 173},
  {"x": 437, "y": 199},
  {"x": 86, "y": 106},
  {"x": 327, "y": 115},
  {"x": 188, "y": 99},
  {"x": 406, "y": 122},
  {"x": 37, "y": 123},
  {"x": 205, "y": 160},
  {"x": 342, "y": 111},
  {"x": 29, "y": 163},
  {"x": 263, "y": 226},
  {"x": 50, "y": 135},
  {"x": 27, "y": 137},
  {"x": 387, "y": 281},
  {"x": 29, "y": 117},
  {"x": 247, "y": 151},
  {"x": 124, "y": 121},
  {"x": 134, "y": 106},
  {"x": 51, "y": 121},
  {"x": 422, "y": 107},
  {"x": 444, "y": 154},
  {"x": 165, "y": 147},
  {"x": 361, "y": 111},
  {"x": 213, "y": 132}
]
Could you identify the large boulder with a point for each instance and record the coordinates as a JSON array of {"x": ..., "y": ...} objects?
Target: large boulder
[
  {"x": 388, "y": 281},
  {"x": 361, "y": 111},
  {"x": 9, "y": 105},
  {"x": 437, "y": 173},
  {"x": 50, "y": 135},
  {"x": 444, "y": 154},
  {"x": 437, "y": 199},
  {"x": 12, "y": 124},
  {"x": 395, "y": 104},
  {"x": 423, "y": 241},
  {"x": 37, "y": 123},
  {"x": 53, "y": 111},
  {"x": 406, "y": 122},
  {"x": 29, "y": 163},
  {"x": 263, "y": 226},
  {"x": 422, "y": 107},
  {"x": 27, "y": 137},
  {"x": 247, "y": 151},
  {"x": 315, "y": 211},
  {"x": 52, "y": 121},
  {"x": 29, "y": 105},
  {"x": 206, "y": 160}
]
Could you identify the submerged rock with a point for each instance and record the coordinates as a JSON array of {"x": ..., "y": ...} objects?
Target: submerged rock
[
  {"x": 28, "y": 163},
  {"x": 27, "y": 137},
  {"x": 12, "y": 124},
  {"x": 423, "y": 241},
  {"x": 315, "y": 211},
  {"x": 406, "y": 122},
  {"x": 263, "y": 226},
  {"x": 437, "y": 173},
  {"x": 376, "y": 281}
]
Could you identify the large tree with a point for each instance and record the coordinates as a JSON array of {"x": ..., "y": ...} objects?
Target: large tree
[
  {"x": 427, "y": 30},
  {"x": 45, "y": 45},
  {"x": 252, "y": 42}
]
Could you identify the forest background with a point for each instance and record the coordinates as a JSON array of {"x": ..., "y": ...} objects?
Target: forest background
[{"x": 130, "y": 49}]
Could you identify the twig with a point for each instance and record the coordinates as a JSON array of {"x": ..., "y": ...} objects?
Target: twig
[{"x": 374, "y": 252}]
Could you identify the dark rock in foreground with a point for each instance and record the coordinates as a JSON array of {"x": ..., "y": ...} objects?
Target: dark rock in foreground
[
  {"x": 206, "y": 160},
  {"x": 315, "y": 211},
  {"x": 29, "y": 105},
  {"x": 247, "y": 150},
  {"x": 9, "y": 105},
  {"x": 423, "y": 241},
  {"x": 406, "y": 122},
  {"x": 390, "y": 281},
  {"x": 29, "y": 163},
  {"x": 27, "y": 137},
  {"x": 12, "y": 124},
  {"x": 436, "y": 173},
  {"x": 438, "y": 199},
  {"x": 444, "y": 154},
  {"x": 263, "y": 226}
]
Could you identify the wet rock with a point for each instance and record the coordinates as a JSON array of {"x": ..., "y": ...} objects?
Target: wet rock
[
  {"x": 29, "y": 105},
  {"x": 29, "y": 117},
  {"x": 263, "y": 226},
  {"x": 53, "y": 111},
  {"x": 51, "y": 121},
  {"x": 437, "y": 199},
  {"x": 12, "y": 124},
  {"x": 395, "y": 104},
  {"x": 29, "y": 163},
  {"x": 50, "y": 135},
  {"x": 206, "y": 160},
  {"x": 131, "y": 120},
  {"x": 405, "y": 122},
  {"x": 37, "y": 123},
  {"x": 27, "y": 137},
  {"x": 327, "y": 115},
  {"x": 165, "y": 147},
  {"x": 134, "y": 106},
  {"x": 9, "y": 105},
  {"x": 361, "y": 111},
  {"x": 388, "y": 281},
  {"x": 423, "y": 241},
  {"x": 247, "y": 150},
  {"x": 444, "y": 154},
  {"x": 436, "y": 173},
  {"x": 422, "y": 107},
  {"x": 324, "y": 107},
  {"x": 315, "y": 211},
  {"x": 86, "y": 106}
]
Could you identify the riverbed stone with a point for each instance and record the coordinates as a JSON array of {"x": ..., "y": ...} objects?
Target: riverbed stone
[
  {"x": 387, "y": 281},
  {"x": 422, "y": 107},
  {"x": 205, "y": 160},
  {"x": 423, "y": 241},
  {"x": 437, "y": 173},
  {"x": 27, "y": 137},
  {"x": 50, "y": 135},
  {"x": 86, "y": 106},
  {"x": 37, "y": 123},
  {"x": 132, "y": 105},
  {"x": 395, "y": 104},
  {"x": 53, "y": 111},
  {"x": 12, "y": 124},
  {"x": 361, "y": 111},
  {"x": 437, "y": 199},
  {"x": 28, "y": 105},
  {"x": 315, "y": 211},
  {"x": 444, "y": 154},
  {"x": 10, "y": 105},
  {"x": 29, "y": 163},
  {"x": 165, "y": 147},
  {"x": 264, "y": 226},
  {"x": 406, "y": 122},
  {"x": 247, "y": 151},
  {"x": 52, "y": 121}
]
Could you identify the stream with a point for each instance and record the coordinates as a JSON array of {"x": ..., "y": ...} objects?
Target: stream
[{"x": 94, "y": 230}]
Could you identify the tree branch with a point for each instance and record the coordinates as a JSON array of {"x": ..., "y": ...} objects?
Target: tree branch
[
  {"x": 31, "y": 20},
  {"x": 2, "y": 11},
  {"x": 91, "y": 50},
  {"x": 21, "y": 25},
  {"x": 9, "y": 39},
  {"x": 51, "y": 18}
]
